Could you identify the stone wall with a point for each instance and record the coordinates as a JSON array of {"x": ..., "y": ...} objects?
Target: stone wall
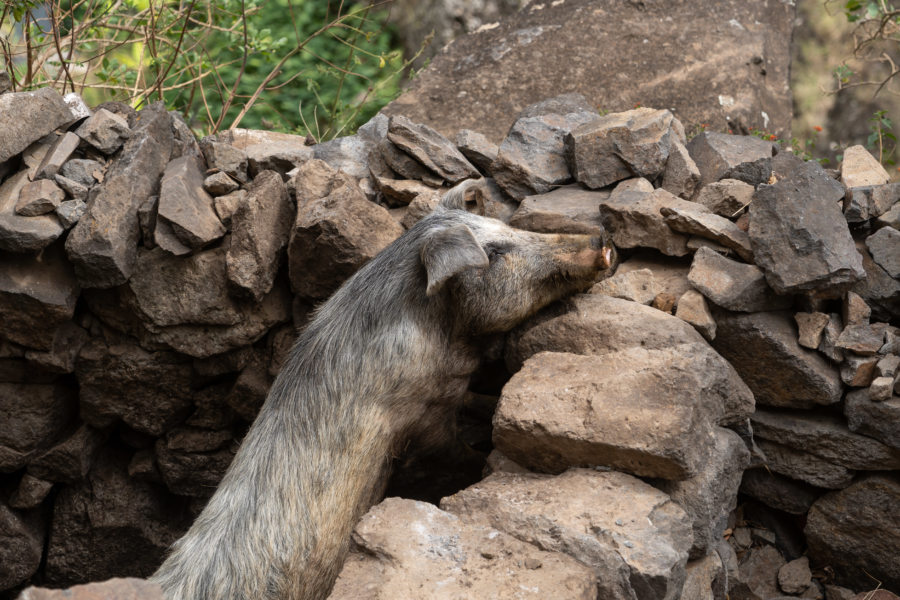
[{"x": 151, "y": 285}]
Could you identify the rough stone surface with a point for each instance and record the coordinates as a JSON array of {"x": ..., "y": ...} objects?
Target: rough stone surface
[
  {"x": 69, "y": 212},
  {"x": 400, "y": 163},
  {"x": 410, "y": 549},
  {"x": 862, "y": 339},
  {"x": 879, "y": 420},
  {"x": 278, "y": 156},
  {"x": 103, "y": 245},
  {"x": 799, "y": 237},
  {"x": 696, "y": 220},
  {"x": 763, "y": 349},
  {"x": 30, "y": 492},
  {"x": 495, "y": 67},
  {"x": 692, "y": 309},
  {"x": 639, "y": 222},
  {"x": 779, "y": 492},
  {"x": 810, "y": 327},
  {"x": 229, "y": 159},
  {"x": 759, "y": 570},
  {"x": 219, "y": 184},
  {"x": 733, "y": 285},
  {"x": 681, "y": 177},
  {"x": 105, "y": 131},
  {"x": 722, "y": 156},
  {"x": 400, "y": 192},
  {"x": 37, "y": 296},
  {"x": 227, "y": 205},
  {"x": 186, "y": 219},
  {"x": 113, "y": 589},
  {"x": 82, "y": 170},
  {"x": 531, "y": 159},
  {"x": 829, "y": 337},
  {"x": 881, "y": 388},
  {"x": 637, "y": 286},
  {"x": 259, "y": 233},
  {"x": 825, "y": 436},
  {"x": 70, "y": 460},
  {"x": 480, "y": 151},
  {"x": 795, "y": 576},
  {"x": 21, "y": 546},
  {"x": 858, "y": 371},
  {"x": 871, "y": 505},
  {"x": 726, "y": 198},
  {"x": 632, "y": 535},
  {"x": 57, "y": 155},
  {"x": 804, "y": 466},
  {"x": 884, "y": 245},
  {"x": 38, "y": 414},
  {"x": 39, "y": 198},
  {"x": 187, "y": 473},
  {"x": 567, "y": 209},
  {"x": 859, "y": 168},
  {"x": 435, "y": 152},
  {"x": 19, "y": 233},
  {"x": 336, "y": 230},
  {"x": 669, "y": 273},
  {"x": 75, "y": 189},
  {"x": 29, "y": 116},
  {"x": 880, "y": 291},
  {"x": 705, "y": 579}
]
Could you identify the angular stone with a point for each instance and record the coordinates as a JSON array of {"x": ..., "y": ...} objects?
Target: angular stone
[
  {"x": 82, "y": 170},
  {"x": 480, "y": 151},
  {"x": 858, "y": 371},
  {"x": 617, "y": 146},
  {"x": 825, "y": 436},
  {"x": 637, "y": 286},
  {"x": 859, "y": 168},
  {"x": 120, "y": 589},
  {"x": 669, "y": 273},
  {"x": 733, "y": 285},
  {"x": 799, "y": 237},
  {"x": 803, "y": 466},
  {"x": 30, "y": 492},
  {"x": 722, "y": 156},
  {"x": 780, "y": 492},
  {"x": 279, "y": 156},
  {"x": 531, "y": 159},
  {"x": 149, "y": 391},
  {"x": 881, "y": 388},
  {"x": 857, "y": 532},
  {"x": 226, "y": 158},
  {"x": 70, "y": 460},
  {"x": 431, "y": 149},
  {"x": 260, "y": 228},
  {"x": 39, "y": 198},
  {"x": 763, "y": 349},
  {"x": 888, "y": 366},
  {"x": 104, "y": 130},
  {"x": 884, "y": 245},
  {"x": 58, "y": 154},
  {"x": 829, "y": 337},
  {"x": 407, "y": 548},
  {"x": 37, "y": 295},
  {"x": 69, "y": 212},
  {"x": 28, "y": 116},
  {"x": 879, "y": 290},
  {"x": 563, "y": 410},
  {"x": 634, "y": 537},
  {"x": 226, "y": 205},
  {"x": 403, "y": 164},
  {"x": 336, "y": 230},
  {"x": 567, "y": 209},
  {"x": 705, "y": 578},
  {"x": 681, "y": 177},
  {"x": 110, "y": 525},
  {"x": 21, "y": 544},
  {"x": 185, "y": 208},
  {"x": 665, "y": 302},
  {"x": 692, "y": 309},
  {"x": 19, "y": 233},
  {"x": 400, "y": 192},
  {"x": 194, "y": 474},
  {"x": 855, "y": 311},
  {"x": 68, "y": 339},
  {"x": 103, "y": 245},
  {"x": 891, "y": 217},
  {"x": 78, "y": 191},
  {"x": 219, "y": 184},
  {"x": 711, "y": 495},
  {"x": 696, "y": 220},
  {"x": 38, "y": 414},
  {"x": 638, "y": 222},
  {"x": 862, "y": 339},
  {"x": 419, "y": 208},
  {"x": 879, "y": 420},
  {"x": 810, "y": 327},
  {"x": 726, "y": 198},
  {"x": 359, "y": 157},
  {"x": 759, "y": 570}
]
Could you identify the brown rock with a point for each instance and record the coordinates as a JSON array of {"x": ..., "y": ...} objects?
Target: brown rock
[
  {"x": 118, "y": 589},
  {"x": 219, "y": 184},
  {"x": 876, "y": 419},
  {"x": 400, "y": 192},
  {"x": 104, "y": 130},
  {"x": 795, "y": 576},
  {"x": 881, "y": 388},
  {"x": 810, "y": 328},
  {"x": 30, "y": 492},
  {"x": 681, "y": 177},
  {"x": 480, "y": 151},
  {"x": 733, "y": 285},
  {"x": 884, "y": 245},
  {"x": 38, "y": 414},
  {"x": 880, "y": 291},
  {"x": 759, "y": 570},
  {"x": 669, "y": 273},
  {"x": 21, "y": 546},
  {"x": 70, "y": 460},
  {"x": 226, "y": 205},
  {"x": 637, "y": 286},
  {"x": 859, "y": 168},
  {"x": 404, "y": 165},
  {"x": 229, "y": 159},
  {"x": 567, "y": 209},
  {"x": 29, "y": 116},
  {"x": 803, "y": 466},
  {"x": 39, "y": 198},
  {"x": 720, "y": 156},
  {"x": 696, "y": 220},
  {"x": 726, "y": 198},
  {"x": 57, "y": 155},
  {"x": 280, "y": 155},
  {"x": 705, "y": 578},
  {"x": 438, "y": 154},
  {"x": 186, "y": 219},
  {"x": 862, "y": 339},
  {"x": 692, "y": 309},
  {"x": 639, "y": 223},
  {"x": 829, "y": 337},
  {"x": 19, "y": 233},
  {"x": 69, "y": 212}
]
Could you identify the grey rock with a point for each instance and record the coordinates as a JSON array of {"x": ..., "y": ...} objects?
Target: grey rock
[
  {"x": 829, "y": 338},
  {"x": 37, "y": 296},
  {"x": 692, "y": 309},
  {"x": 876, "y": 419},
  {"x": 780, "y": 492},
  {"x": 803, "y": 466},
  {"x": 77, "y": 105},
  {"x": 39, "y": 198},
  {"x": 185, "y": 209},
  {"x": 103, "y": 244},
  {"x": 881, "y": 388},
  {"x": 480, "y": 151},
  {"x": 34, "y": 154},
  {"x": 431, "y": 149},
  {"x": 82, "y": 170},
  {"x": 759, "y": 571},
  {"x": 635, "y": 220},
  {"x": 681, "y": 176},
  {"x": 836, "y": 592},
  {"x": 799, "y": 237},
  {"x": 400, "y": 192},
  {"x": 531, "y": 159},
  {"x": 857, "y": 532},
  {"x": 74, "y": 189},
  {"x": 726, "y": 198},
  {"x": 21, "y": 545},
  {"x": 870, "y": 201},
  {"x": 356, "y": 156},
  {"x": 147, "y": 213},
  {"x": 38, "y": 414},
  {"x": 28, "y": 116},
  {"x": 226, "y": 158},
  {"x": 23, "y": 234},
  {"x": 763, "y": 349},
  {"x": 104, "y": 130},
  {"x": 858, "y": 371},
  {"x": 879, "y": 290},
  {"x": 188, "y": 473},
  {"x": 697, "y": 220},
  {"x": 68, "y": 339},
  {"x": 711, "y": 495},
  {"x": 854, "y": 309},
  {"x": 827, "y": 437},
  {"x": 260, "y": 229},
  {"x": 69, "y": 212},
  {"x": 70, "y": 460},
  {"x": 888, "y": 366},
  {"x": 184, "y": 141},
  {"x": 862, "y": 339},
  {"x": 57, "y": 155},
  {"x": 30, "y": 492},
  {"x": 220, "y": 184},
  {"x": 721, "y": 156},
  {"x": 617, "y": 146},
  {"x": 891, "y": 217},
  {"x": 637, "y": 547},
  {"x": 884, "y": 245},
  {"x": 279, "y": 156},
  {"x": 733, "y": 285},
  {"x": 227, "y": 205},
  {"x": 404, "y": 165},
  {"x": 567, "y": 209}
]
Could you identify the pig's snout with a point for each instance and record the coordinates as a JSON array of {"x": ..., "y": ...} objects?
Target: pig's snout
[{"x": 597, "y": 254}]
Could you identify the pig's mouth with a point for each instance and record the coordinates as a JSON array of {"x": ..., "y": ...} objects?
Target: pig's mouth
[{"x": 588, "y": 261}]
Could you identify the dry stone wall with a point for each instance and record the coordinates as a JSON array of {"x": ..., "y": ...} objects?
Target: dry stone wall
[{"x": 151, "y": 285}]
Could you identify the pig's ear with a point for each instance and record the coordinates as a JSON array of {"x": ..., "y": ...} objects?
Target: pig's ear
[
  {"x": 457, "y": 196},
  {"x": 450, "y": 251}
]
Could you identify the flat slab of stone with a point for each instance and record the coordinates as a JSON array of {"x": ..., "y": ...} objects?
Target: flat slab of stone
[
  {"x": 692, "y": 309},
  {"x": 185, "y": 210},
  {"x": 733, "y": 285},
  {"x": 726, "y": 197},
  {"x": 799, "y": 236},
  {"x": 39, "y": 198},
  {"x": 804, "y": 466},
  {"x": 57, "y": 155},
  {"x": 825, "y": 436},
  {"x": 697, "y": 220},
  {"x": 435, "y": 152},
  {"x": 763, "y": 348},
  {"x": 637, "y": 286},
  {"x": 884, "y": 245},
  {"x": 859, "y": 168},
  {"x": 495, "y": 66},
  {"x": 119, "y": 588},
  {"x": 633, "y": 536},
  {"x": 724, "y": 156},
  {"x": 19, "y": 233},
  {"x": 28, "y": 116},
  {"x": 104, "y": 130},
  {"x": 636, "y": 220},
  {"x": 412, "y": 549},
  {"x": 480, "y": 151},
  {"x": 39, "y": 414},
  {"x": 567, "y": 209},
  {"x": 780, "y": 492},
  {"x": 876, "y": 419}
]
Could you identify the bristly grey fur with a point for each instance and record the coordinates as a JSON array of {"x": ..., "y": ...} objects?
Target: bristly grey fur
[{"x": 381, "y": 361}]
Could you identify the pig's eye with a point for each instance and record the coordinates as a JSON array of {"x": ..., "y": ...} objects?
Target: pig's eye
[{"x": 493, "y": 251}]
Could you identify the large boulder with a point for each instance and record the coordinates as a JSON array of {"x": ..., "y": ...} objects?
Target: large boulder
[{"x": 28, "y": 116}]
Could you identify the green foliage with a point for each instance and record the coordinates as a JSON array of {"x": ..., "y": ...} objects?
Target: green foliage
[{"x": 881, "y": 137}]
